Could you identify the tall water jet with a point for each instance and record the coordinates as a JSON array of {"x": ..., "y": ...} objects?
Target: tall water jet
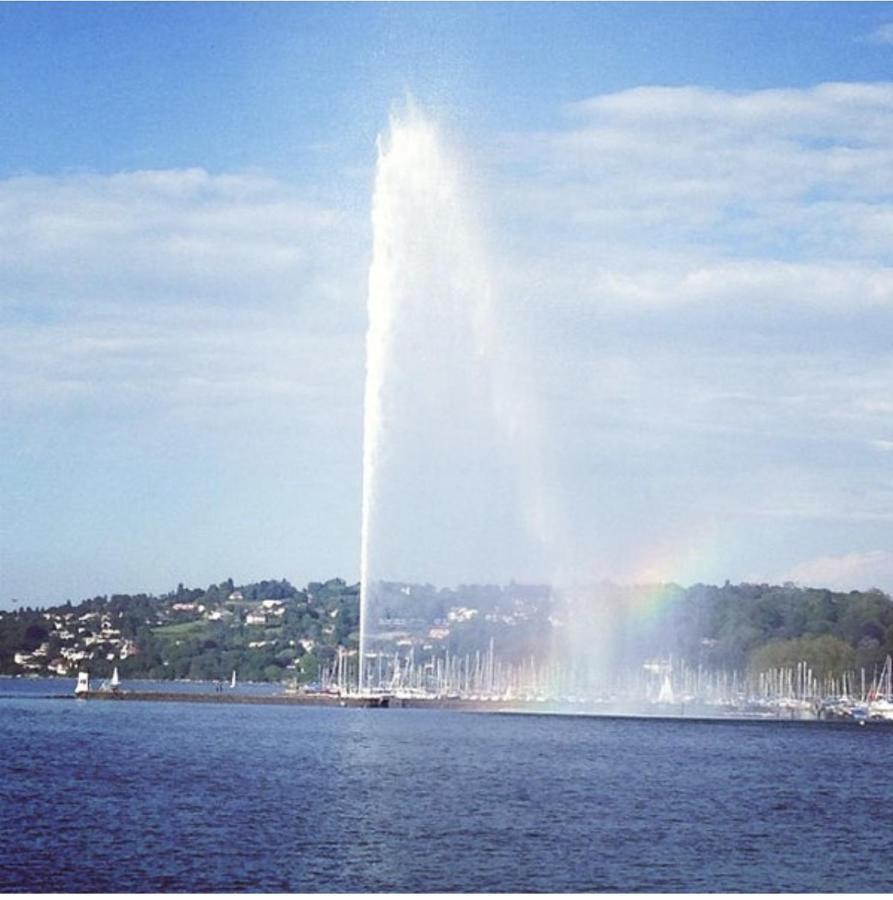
[
  {"x": 428, "y": 307},
  {"x": 455, "y": 484}
]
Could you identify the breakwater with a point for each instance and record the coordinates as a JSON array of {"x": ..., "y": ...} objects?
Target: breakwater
[
  {"x": 347, "y": 700},
  {"x": 676, "y": 712}
]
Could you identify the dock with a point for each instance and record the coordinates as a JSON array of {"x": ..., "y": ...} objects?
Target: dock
[
  {"x": 503, "y": 706},
  {"x": 372, "y": 701}
]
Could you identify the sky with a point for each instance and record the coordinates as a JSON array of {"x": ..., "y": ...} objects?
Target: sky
[{"x": 688, "y": 221}]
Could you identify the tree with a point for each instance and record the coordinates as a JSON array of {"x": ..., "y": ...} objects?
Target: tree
[{"x": 825, "y": 655}]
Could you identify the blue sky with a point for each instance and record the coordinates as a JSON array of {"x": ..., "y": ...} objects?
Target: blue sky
[
  {"x": 688, "y": 201},
  {"x": 124, "y": 86}
]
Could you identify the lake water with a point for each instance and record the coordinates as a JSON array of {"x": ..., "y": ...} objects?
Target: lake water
[{"x": 129, "y": 797}]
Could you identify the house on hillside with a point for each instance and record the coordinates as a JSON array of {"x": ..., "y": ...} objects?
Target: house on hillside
[{"x": 219, "y": 615}]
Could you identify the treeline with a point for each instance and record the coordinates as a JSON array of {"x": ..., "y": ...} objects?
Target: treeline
[
  {"x": 274, "y": 631},
  {"x": 733, "y": 627},
  {"x": 756, "y": 626}
]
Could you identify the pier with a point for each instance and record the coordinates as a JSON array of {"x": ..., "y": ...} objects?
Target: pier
[
  {"x": 505, "y": 706},
  {"x": 367, "y": 701}
]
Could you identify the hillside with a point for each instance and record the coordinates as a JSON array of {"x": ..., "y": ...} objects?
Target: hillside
[{"x": 273, "y": 631}]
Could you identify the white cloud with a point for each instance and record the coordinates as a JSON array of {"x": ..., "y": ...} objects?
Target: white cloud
[
  {"x": 858, "y": 570},
  {"x": 176, "y": 236},
  {"x": 748, "y": 231},
  {"x": 756, "y": 283},
  {"x": 176, "y": 293},
  {"x": 705, "y": 281},
  {"x": 794, "y": 176},
  {"x": 198, "y": 371},
  {"x": 696, "y": 288},
  {"x": 841, "y": 109}
]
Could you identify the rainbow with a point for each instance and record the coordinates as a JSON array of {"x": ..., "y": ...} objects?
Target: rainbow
[{"x": 690, "y": 556}]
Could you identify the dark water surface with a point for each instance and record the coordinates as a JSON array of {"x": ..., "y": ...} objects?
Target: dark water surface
[{"x": 130, "y": 797}]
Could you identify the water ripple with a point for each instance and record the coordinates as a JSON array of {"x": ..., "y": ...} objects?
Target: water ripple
[{"x": 167, "y": 797}]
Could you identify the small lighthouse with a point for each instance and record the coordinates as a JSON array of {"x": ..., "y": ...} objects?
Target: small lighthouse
[{"x": 83, "y": 686}]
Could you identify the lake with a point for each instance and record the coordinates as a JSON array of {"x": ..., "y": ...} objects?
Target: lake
[{"x": 162, "y": 797}]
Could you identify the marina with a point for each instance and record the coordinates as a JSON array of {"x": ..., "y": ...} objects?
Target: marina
[{"x": 660, "y": 689}]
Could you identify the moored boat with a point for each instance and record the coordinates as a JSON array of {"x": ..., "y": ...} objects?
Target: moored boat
[{"x": 880, "y": 700}]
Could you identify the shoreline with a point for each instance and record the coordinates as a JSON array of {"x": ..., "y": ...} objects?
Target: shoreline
[{"x": 515, "y": 708}]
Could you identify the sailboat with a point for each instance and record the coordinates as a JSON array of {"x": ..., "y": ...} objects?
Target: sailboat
[
  {"x": 666, "y": 692},
  {"x": 112, "y": 685},
  {"x": 232, "y": 681},
  {"x": 880, "y": 700}
]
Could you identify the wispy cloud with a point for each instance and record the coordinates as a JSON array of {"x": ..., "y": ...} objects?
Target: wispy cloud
[
  {"x": 695, "y": 284},
  {"x": 708, "y": 274},
  {"x": 176, "y": 236},
  {"x": 842, "y": 108},
  {"x": 793, "y": 173},
  {"x": 849, "y": 571},
  {"x": 883, "y": 34},
  {"x": 173, "y": 292}
]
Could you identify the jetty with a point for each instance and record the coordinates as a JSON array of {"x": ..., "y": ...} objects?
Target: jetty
[
  {"x": 368, "y": 701},
  {"x": 501, "y": 705}
]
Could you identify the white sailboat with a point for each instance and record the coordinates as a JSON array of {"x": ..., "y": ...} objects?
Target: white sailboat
[
  {"x": 666, "y": 692},
  {"x": 880, "y": 700},
  {"x": 232, "y": 681},
  {"x": 111, "y": 685}
]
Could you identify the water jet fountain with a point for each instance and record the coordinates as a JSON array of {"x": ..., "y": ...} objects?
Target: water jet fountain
[
  {"x": 447, "y": 418},
  {"x": 427, "y": 356}
]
